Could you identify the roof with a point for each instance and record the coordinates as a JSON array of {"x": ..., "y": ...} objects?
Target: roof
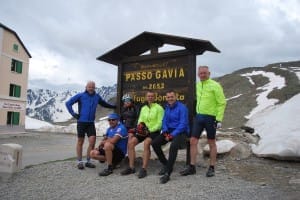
[
  {"x": 13, "y": 32},
  {"x": 148, "y": 40}
]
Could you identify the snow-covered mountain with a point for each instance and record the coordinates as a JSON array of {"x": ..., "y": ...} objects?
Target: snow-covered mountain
[
  {"x": 254, "y": 89},
  {"x": 49, "y": 105}
]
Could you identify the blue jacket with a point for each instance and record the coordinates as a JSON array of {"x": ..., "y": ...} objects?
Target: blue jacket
[
  {"x": 175, "y": 120},
  {"x": 87, "y": 105}
]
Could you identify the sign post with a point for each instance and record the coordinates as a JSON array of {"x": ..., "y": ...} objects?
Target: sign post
[{"x": 158, "y": 72}]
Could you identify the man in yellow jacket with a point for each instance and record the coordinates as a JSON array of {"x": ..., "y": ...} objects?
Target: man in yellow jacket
[
  {"x": 149, "y": 126},
  {"x": 210, "y": 109}
]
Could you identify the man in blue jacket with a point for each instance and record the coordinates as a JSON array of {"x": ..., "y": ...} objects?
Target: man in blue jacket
[
  {"x": 87, "y": 105},
  {"x": 174, "y": 129}
]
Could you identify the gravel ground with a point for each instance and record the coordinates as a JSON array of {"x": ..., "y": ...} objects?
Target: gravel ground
[{"x": 61, "y": 180}]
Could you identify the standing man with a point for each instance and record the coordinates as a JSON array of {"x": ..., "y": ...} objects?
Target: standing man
[
  {"x": 210, "y": 108},
  {"x": 149, "y": 126},
  {"x": 113, "y": 147},
  {"x": 175, "y": 128},
  {"x": 87, "y": 105}
]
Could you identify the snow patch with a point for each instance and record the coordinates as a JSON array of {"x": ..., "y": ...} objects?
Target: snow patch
[
  {"x": 276, "y": 82},
  {"x": 279, "y": 129},
  {"x": 234, "y": 97},
  {"x": 250, "y": 79},
  {"x": 31, "y": 123},
  {"x": 38, "y": 125}
]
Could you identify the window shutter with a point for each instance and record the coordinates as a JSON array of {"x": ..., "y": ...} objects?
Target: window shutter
[
  {"x": 16, "y": 118},
  {"x": 17, "y": 91},
  {"x": 19, "y": 67},
  {"x": 15, "y": 47}
]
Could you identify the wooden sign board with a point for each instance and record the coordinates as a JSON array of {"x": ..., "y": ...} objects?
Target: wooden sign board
[{"x": 160, "y": 75}]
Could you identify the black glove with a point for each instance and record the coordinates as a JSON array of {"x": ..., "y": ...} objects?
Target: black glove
[{"x": 76, "y": 116}]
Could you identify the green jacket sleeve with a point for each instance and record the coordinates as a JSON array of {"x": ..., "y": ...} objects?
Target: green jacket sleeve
[{"x": 221, "y": 103}]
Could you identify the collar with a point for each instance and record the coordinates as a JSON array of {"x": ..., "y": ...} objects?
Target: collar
[
  {"x": 89, "y": 93},
  {"x": 173, "y": 106}
]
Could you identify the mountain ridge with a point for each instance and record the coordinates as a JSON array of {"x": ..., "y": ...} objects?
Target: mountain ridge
[{"x": 241, "y": 91}]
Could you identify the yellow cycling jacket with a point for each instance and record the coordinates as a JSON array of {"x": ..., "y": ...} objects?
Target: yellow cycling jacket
[
  {"x": 210, "y": 99},
  {"x": 152, "y": 116}
]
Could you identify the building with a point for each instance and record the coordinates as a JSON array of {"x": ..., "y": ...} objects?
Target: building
[{"x": 14, "y": 67}]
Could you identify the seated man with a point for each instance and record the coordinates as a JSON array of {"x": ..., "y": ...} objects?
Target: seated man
[
  {"x": 113, "y": 147},
  {"x": 174, "y": 129},
  {"x": 149, "y": 125}
]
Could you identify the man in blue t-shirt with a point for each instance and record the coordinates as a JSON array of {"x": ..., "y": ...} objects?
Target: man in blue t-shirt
[{"x": 113, "y": 147}]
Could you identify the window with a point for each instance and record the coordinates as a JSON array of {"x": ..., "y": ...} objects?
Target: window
[
  {"x": 15, "y": 47},
  {"x": 13, "y": 118},
  {"x": 16, "y": 66},
  {"x": 14, "y": 90}
]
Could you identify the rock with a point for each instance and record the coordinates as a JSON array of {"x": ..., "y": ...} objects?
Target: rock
[
  {"x": 240, "y": 151},
  {"x": 247, "y": 129},
  {"x": 252, "y": 139},
  {"x": 223, "y": 146}
]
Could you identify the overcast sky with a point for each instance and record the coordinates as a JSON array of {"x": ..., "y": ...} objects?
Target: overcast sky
[{"x": 65, "y": 37}]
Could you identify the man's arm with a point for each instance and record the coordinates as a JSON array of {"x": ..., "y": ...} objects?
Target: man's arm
[
  {"x": 183, "y": 122},
  {"x": 221, "y": 103},
  {"x": 103, "y": 103},
  {"x": 71, "y": 102},
  {"x": 113, "y": 140},
  {"x": 120, "y": 133}
]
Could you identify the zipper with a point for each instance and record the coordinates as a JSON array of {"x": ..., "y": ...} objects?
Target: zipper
[{"x": 200, "y": 95}]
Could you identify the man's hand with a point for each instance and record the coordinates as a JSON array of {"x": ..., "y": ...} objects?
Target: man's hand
[
  {"x": 142, "y": 129},
  {"x": 76, "y": 116},
  {"x": 132, "y": 131},
  {"x": 168, "y": 136},
  {"x": 101, "y": 145},
  {"x": 218, "y": 125}
]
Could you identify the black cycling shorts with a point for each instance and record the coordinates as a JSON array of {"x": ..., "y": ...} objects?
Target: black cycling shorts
[
  {"x": 206, "y": 122},
  {"x": 87, "y": 128},
  {"x": 118, "y": 155},
  {"x": 151, "y": 135}
]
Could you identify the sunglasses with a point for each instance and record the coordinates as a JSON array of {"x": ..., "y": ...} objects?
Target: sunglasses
[{"x": 111, "y": 120}]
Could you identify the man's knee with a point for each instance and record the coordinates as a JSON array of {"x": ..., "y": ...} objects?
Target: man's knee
[
  {"x": 174, "y": 146},
  {"x": 80, "y": 141},
  {"x": 108, "y": 146},
  {"x": 132, "y": 143},
  {"x": 92, "y": 140},
  {"x": 147, "y": 142},
  {"x": 194, "y": 141},
  {"x": 94, "y": 153}
]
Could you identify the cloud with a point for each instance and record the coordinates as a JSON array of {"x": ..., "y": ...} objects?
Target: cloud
[{"x": 65, "y": 37}]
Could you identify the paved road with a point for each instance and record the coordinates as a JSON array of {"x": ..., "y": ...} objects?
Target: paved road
[
  {"x": 44, "y": 147},
  {"x": 39, "y": 147}
]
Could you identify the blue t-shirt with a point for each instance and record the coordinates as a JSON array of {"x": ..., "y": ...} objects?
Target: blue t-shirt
[{"x": 121, "y": 131}]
